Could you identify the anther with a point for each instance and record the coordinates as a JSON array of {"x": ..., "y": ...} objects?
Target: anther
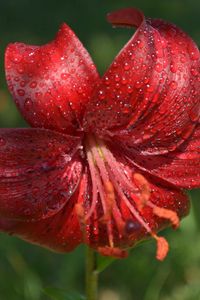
[
  {"x": 143, "y": 186},
  {"x": 162, "y": 247},
  {"x": 167, "y": 214},
  {"x": 114, "y": 252}
]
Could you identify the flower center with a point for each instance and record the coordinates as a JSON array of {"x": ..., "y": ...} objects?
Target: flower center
[{"x": 111, "y": 185}]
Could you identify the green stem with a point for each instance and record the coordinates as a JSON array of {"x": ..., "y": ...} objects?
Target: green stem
[{"x": 91, "y": 274}]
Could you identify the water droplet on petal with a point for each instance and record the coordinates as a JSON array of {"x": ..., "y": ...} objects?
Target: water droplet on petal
[
  {"x": 64, "y": 76},
  {"x": 158, "y": 67},
  {"x": 2, "y": 142},
  {"x": 124, "y": 80},
  {"x": 174, "y": 85},
  {"x": 194, "y": 71},
  {"x": 129, "y": 89},
  {"x": 20, "y": 70},
  {"x": 106, "y": 80},
  {"x": 28, "y": 104},
  {"x": 33, "y": 84},
  {"x": 22, "y": 83},
  {"x": 117, "y": 78},
  {"x": 101, "y": 95},
  {"x": 138, "y": 84},
  {"x": 16, "y": 58},
  {"x": 173, "y": 68},
  {"x": 194, "y": 55},
  {"x": 21, "y": 92},
  {"x": 126, "y": 66}
]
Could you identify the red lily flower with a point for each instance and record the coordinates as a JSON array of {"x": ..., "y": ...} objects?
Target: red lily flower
[{"x": 107, "y": 158}]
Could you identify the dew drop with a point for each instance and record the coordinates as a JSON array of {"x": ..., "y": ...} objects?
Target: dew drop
[
  {"x": 194, "y": 71},
  {"x": 194, "y": 114},
  {"x": 186, "y": 133},
  {"x": 174, "y": 85},
  {"x": 117, "y": 78},
  {"x": 21, "y": 92},
  {"x": 173, "y": 68},
  {"x": 38, "y": 95},
  {"x": 33, "y": 84},
  {"x": 129, "y": 89},
  {"x": 183, "y": 59},
  {"x": 144, "y": 67},
  {"x": 138, "y": 84},
  {"x": 80, "y": 90},
  {"x": 101, "y": 95},
  {"x": 2, "y": 142},
  {"x": 106, "y": 80},
  {"x": 35, "y": 190},
  {"x": 16, "y": 79},
  {"x": 16, "y": 58},
  {"x": 28, "y": 104},
  {"x": 126, "y": 66},
  {"x": 64, "y": 76},
  {"x": 22, "y": 83},
  {"x": 20, "y": 71},
  {"x": 158, "y": 67},
  {"x": 194, "y": 55},
  {"x": 124, "y": 80}
]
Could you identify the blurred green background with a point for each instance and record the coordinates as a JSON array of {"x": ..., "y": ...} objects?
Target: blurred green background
[{"x": 26, "y": 269}]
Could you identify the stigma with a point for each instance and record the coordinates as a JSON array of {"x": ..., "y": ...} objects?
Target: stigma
[{"x": 118, "y": 199}]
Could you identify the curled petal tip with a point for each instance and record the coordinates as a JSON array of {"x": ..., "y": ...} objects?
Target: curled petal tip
[{"x": 126, "y": 17}]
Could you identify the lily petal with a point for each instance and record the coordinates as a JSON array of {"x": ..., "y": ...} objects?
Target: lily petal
[
  {"x": 39, "y": 171},
  {"x": 149, "y": 96},
  {"x": 51, "y": 84},
  {"x": 60, "y": 232},
  {"x": 181, "y": 167}
]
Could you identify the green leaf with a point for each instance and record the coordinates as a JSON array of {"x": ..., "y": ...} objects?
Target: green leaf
[
  {"x": 103, "y": 262},
  {"x": 59, "y": 294}
]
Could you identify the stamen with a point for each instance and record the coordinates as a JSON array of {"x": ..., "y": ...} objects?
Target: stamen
[
  {"x": 110, "y": 193},
  {"x": 80, "y": 211},
  {"x": 110, "y": 183},
  {"x": 167, "y": 214},
  {"x": 114, "y": 252},
  {"x": 129, "y": 205},
  {"x": 100, "y": 188},
  {"x": 94, "y": 185},
  {"x": 143, "y": 186},
  {"x": 113, "y": 164},
  {"x": 145, "y": 196},
  {"x": 162, "y": 247},
  {"x": 79, "y": 208}
]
